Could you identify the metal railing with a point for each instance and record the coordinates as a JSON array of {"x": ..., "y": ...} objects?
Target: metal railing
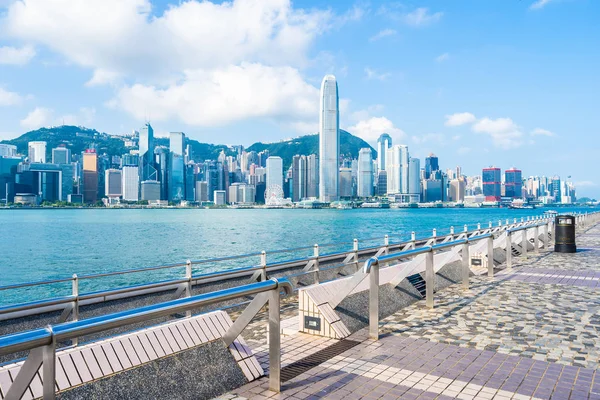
[
  {"x": 311, "y": 265},
  {"x": 41, "y": 343}
]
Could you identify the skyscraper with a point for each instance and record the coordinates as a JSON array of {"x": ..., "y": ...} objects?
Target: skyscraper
[
  {"x": 383, "y": 143},
  {"x": 414, "y": 180},
  {"x": 61, "y": 155},
  {"x": 274, "y": 172},
  {"x": 176, "y": 170},
  {"x": 130, "y": 182},
  {"x": 146, "y": 153},
  {"x": 404, "y": 157},
  {"x": 114, "y": 183},
  {"x": 491, "y": 178},
  {"x": 8, "y": 150},
  {"x": 393, "y": 170},
  {"x": 329, "y": 140},
  {"x": 513, "y": 183},
  {"x": 37, "y": 152},
  {"x": 365, "y": 173},
  {"x": 90, "y": 176},
  {"x": 431, "y": 165}
]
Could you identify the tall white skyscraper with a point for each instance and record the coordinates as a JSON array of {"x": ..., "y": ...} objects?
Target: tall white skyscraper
[
  {"x": 8, "y": 150},
  {"x": 383, "y": 144},
  {"x": 365, "y": 173},
  {"x": 130, "y": 181},
  {"x": 329, "y": 140},
  {"x": 404, "y": 157},
  {"x": 414, "y": 179},
  {"x": 392, "y": 167},
  {"x": 274, "y": 172},
  {"x": 37, "y": 152}
]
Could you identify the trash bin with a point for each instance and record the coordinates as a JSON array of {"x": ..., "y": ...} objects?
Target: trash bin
[{"x": 564, "y": 234}]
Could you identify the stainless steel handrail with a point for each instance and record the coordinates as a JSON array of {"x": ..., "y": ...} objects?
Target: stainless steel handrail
[{"x": 46, "y": 338}]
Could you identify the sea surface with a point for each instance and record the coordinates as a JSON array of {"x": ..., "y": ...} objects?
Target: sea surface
[{"x": 39, "y": 244}]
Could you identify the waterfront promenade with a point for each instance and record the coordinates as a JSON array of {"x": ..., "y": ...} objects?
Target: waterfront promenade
[{"x": 529, "y": 332}]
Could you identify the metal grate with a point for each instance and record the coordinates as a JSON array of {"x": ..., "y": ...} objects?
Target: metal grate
[{"x": 299, "y": 367}]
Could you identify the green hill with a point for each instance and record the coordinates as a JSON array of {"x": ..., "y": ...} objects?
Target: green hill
[
  {"x": 350, "y": 145},
  {"x": 79, "y": 138}
]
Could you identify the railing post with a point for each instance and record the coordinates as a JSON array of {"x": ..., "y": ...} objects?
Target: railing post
[
  {"x": 536, "y": 243},
  {"x": 263, "y": 264},
  {"x": 374, "y": 302},
  {"x": 545, "y": 238},
  {"x": 522, "y": 219},
  {"x": 508, "y": 249},
  {"x": 434, "y": 235},
  {"x": 429, "y": 278},
  {"x": 274, "y": 342},
  {"x": 478, "y": 227},
  {"x": 188, "y": 288},
  {"x": 524, "y": 242},
  {"x": 386, "y": 244},
  {"x": 466, "y": 229},
  {"x": 490, "y": 255},
  {"x": 507, "y": 221},
  {"x": 499, "y": 222},
  {"x": 514, "y": 221},
  {"x": 355, "y": 249},
  {"x": 316, "y": 266},
  {"x": 465, "y": 266},
  {"x": 413, "y": 239},
  {"x": 490, "y": 225},
  {"x": 49, "y": 368},
  {"x": 75, "y": 288}
]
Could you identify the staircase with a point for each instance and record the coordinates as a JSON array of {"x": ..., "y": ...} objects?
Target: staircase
[{"x": 418, "y": 282}]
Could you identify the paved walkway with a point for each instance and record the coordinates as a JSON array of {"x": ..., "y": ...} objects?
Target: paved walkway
[{"x": 533, "y": 332}]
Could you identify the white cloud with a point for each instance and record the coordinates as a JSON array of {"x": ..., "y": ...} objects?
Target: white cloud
[
  {"x": 539, "y": 4},
  {"x": 366, "y": 113},
  {"x": 421, "y": 17},
  {"x": 503, "y": 131},
  {"x": 370, "y": 129},
  {"x": 186, "y": 62},
  {"x": 16, "y": 56},
  {"x": 442, "y": 57},
  {"x": 382, "y": 34},
  {"x": 463, "y": 150},
  {"x": 582, "y": 184},
  {"x": 436, "y": 138},
  {"x": 85, "y": 116},
  {"x": 458, "y": 119},
  {"x": 542, "y": 132},
  {"x": 9, "y": 98},
  {"x": 372, "y": 74},
  {"x": 217, "y": 97},
  {"x": 37, "y": 118}
]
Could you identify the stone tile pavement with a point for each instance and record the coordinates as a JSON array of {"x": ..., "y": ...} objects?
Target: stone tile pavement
[{"x": 532, "y": 332}]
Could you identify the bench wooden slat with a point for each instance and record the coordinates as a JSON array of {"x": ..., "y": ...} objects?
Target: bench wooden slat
[
  {"x": 160, "y": 352},
  {"x": 80, "y": 365},
  {"x": 121, "y": 354},
  {"x": 178, "y": 338},
  {"x": 130, "y": 351},
  {"x": 142, "y": 353},
  {"x": 92, "y": 363},
  {"x": 70, "y": 370},
  {"x": 164, "y": 342},
  {"x": 112, "y": 357},
  {"x": 102, "y": 360}
]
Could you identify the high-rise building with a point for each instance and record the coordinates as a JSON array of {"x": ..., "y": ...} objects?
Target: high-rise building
[
  {"x": 51, "y": 182},
  {"x": 113, "y": 183},
  {"x": 457, "y": 190},
  {"x": 329, "y": 140},
  {"x": 513, "y": 183},
  {"x": 8, "y": 150},
  {"x": 90, "y": 176},
  {"x": 393, "y": 169},
  {"x": 150, "y": 190},
  {"x": 274, "y": 172},
  {"x": 130, "y": 183},
  {"x": 37, "y": 152},
  {"x": 146, "y": 154},
  {"x": 404, "y": 157},
  {"x": 345, "y": 183},
  {"x": 431, "y": 165},
  {"x": 61, "y": 155},
  {"x": 414, "y": 180},
  {"x": 176, "y": 170},
  {"x": 382, "y": 183},
  {"x": 201, "y": 191},
  {"x": 220, "y": 197},
  {"x": 365, "y": 173},
  {"x": 491, "y": 178},
  {"x": 161, "y": 165},
  {"x": 383, "y": 144},
  {"x": 305, "y": 177}
]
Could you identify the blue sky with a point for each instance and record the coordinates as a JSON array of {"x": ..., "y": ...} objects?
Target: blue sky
[{"x": 507, "y": 82}]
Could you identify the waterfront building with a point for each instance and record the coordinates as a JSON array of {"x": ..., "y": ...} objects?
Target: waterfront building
[
  {"x": 103, "y": 163},
  {"x": 329, "y": 140},
  {"x": 513, "y": 183},
  {"x": 146, "y": 154},
  {"x": 37, "y": 152},
  {"x": 554, "y": 189},
  {"x": 491, "y": 178},
  {"x": 190, "y": 182},
  {"x": 262, "y": 158},
  {"x": 433, "y": 190},
  {"x": 365, "y": 173},
  {"x": 394, "y": 168},
  {"x": 305, "y": 177},
  {"x": 50, "y": 182},
  {"x": 274, "y": 172},
  {"x": 61, "y": 155},
  {"x": 383, "y": 144},
  {"x": 150, "y": 190},
  {"x": 457, "y": 190},
  {"x": 90, "y": 176},
  {"x": 431, "y": 165},
  {"x": 414, "y": 180},
  {"x": 113, "y": 183},
  {"x": 176, "y": 167},
  {"x": 130, "y": 183},
  {"x": 345, "y": 182},
  {"x": 161, "y": 166},
  {"x": 220, "y": 197},
  {"x": 381, "y": 183},
  {"x": 130, "y": 159},
  {"x": 201, "y": 191},
  {"x": 241, "y": 193},
  {"x": 8, "y": 170},
  {"x": 8, "y": 150}
]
